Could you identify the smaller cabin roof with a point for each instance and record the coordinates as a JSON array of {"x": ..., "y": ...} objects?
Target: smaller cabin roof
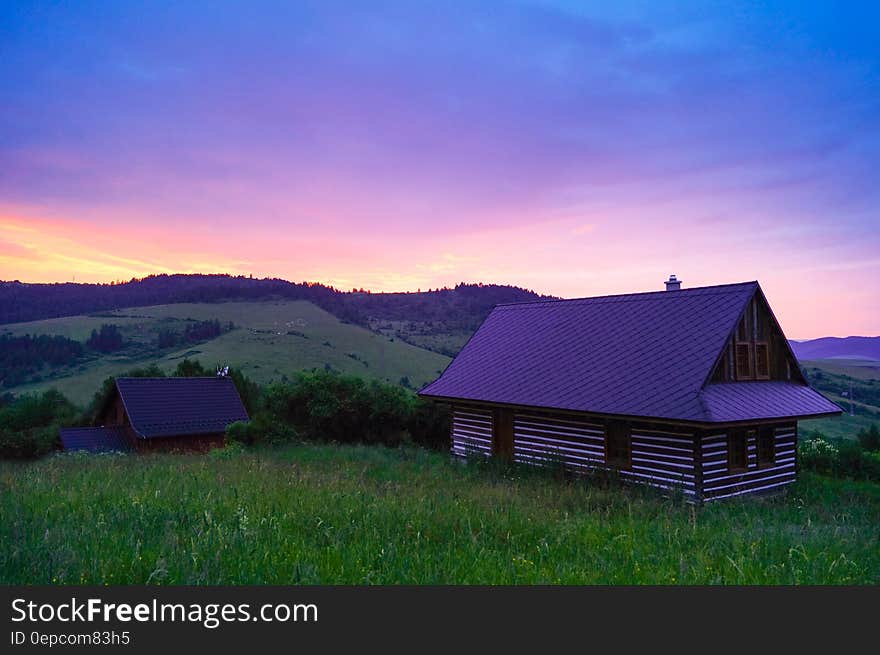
[
  {"x": 95, "y": 440},
  {"x": 166, "y": 407}
]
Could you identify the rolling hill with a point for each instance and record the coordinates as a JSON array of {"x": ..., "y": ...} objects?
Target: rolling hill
[
  {"x": 461, "y": 307},
  {"x": 270, "y": 340}
]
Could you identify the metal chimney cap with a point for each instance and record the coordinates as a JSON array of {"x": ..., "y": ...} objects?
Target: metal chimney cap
[{"x": 673, "y": 283}]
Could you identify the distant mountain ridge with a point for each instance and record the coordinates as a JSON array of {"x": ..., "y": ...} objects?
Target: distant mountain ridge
[{"x": 837, "y": 347}]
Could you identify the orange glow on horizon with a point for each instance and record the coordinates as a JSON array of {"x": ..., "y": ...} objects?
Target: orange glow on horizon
[{"x": 567, "y": 257}]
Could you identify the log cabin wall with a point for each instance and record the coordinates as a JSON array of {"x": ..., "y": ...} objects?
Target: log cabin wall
[
  {"x": 666, "y": 457},
  {"x": 183, "y": 444},
  {"x": 662, "y": 457},
  {"x": 720, "y": 481},
  {"x": 539, "y": 438},
  {"x": 471, "y": 431}
]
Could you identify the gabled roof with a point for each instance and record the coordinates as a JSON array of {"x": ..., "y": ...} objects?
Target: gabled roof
[
  {"x": 95, "y": 440},
  {"x": 164, "y": 407},
  {"x": 640, "y": 355}
]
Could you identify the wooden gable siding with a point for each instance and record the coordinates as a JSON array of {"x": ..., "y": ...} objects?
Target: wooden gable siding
[
  {"x": 114, "y": 413},
  {"x": 719, "y": 482},
  {"x": 756, "y": 333}
]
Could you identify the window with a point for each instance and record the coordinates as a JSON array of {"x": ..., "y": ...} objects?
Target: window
[
  {"x": 743, "y": 330},
  {"x": 618, "y": 451},
  {"x": 766, "y": 446},
  {"x": 744, "y": 361},
  {"x": 762, "y": 361},
  {"x": 737, "y": 451}
]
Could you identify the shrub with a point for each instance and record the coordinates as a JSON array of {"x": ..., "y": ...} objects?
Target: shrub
[
  {"x": 840, "y": 458},
  {"x": 329, "y": 407},
  {"x": 230, "y": 451},
  {"x": 261, "y": 429},
  {"x": 855, "y": 462},
  {"x": 29, "y": 425},
  {"x": 818, "y": 454},
  {"x": 238, "y": 432},
  {"x": 429, "y": 424}
]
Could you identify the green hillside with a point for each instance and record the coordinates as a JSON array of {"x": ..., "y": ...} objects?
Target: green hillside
[
  {"x": 858, "y": 369},
  {"x": 270, "y": 340},
  {"x": 833, "y": 377}
]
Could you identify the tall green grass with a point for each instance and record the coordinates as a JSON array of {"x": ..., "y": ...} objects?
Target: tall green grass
[{"x": 353, "y": 515}]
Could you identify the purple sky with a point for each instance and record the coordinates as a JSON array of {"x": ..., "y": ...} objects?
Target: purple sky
[{"x": 572, "y": 149}]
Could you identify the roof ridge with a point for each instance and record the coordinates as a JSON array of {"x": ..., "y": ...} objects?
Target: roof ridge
[
  {"x": 637, "y": 295},
  {"x": 173, "y": 377}
]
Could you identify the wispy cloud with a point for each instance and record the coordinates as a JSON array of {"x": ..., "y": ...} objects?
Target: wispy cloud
[{"x": 577, "y": 148}]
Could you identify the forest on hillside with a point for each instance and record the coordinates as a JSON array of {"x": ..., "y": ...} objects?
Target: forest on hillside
[{"x": 448, "y": 310}]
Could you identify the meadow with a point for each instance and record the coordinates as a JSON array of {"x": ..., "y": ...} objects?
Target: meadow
[
  {"x": 270, "y": 339},
  {"x": 832, "y": 378},
  {"x": 330, "y": 514}
]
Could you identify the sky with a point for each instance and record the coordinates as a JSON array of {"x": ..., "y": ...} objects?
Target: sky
[{"x": 573, "y": 148}]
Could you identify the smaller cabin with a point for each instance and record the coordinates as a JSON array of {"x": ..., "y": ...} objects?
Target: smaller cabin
[{"x": 161, "y": 414}]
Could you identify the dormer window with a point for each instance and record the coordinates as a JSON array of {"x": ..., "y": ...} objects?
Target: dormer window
[
  {"x": 744, "y": 369},
  {"x": 762, "y": 361}
]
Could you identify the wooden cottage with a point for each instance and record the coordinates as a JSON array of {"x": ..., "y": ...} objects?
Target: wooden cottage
[
  {"x": 149, "y": 414},
  {"x": 693, "y": 389}
]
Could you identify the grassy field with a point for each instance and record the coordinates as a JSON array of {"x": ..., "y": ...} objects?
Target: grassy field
[
  {"x": 351, "y": 515},
  {"x": 270, "y": 340},
  {"x": 838, "y": 427},
  {"x": 866, "y": 414},
  {"x": 861, "y": 369}
]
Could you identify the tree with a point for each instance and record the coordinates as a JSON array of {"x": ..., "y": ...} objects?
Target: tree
[{"x": 107, "y": 340}]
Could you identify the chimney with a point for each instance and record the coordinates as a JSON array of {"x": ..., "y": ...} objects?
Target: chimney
[{"x": 673, "y": 283}]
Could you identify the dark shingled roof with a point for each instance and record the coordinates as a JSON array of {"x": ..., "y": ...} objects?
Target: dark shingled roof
[
  {"x": 95, "y": 440},
  {"x": 166, "y": 407},
  {"x": 643, "y": 354}
]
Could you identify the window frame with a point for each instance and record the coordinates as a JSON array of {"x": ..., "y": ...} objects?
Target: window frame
[
  {"x": 732, "y": 437},
  {"x": 619, "y": 430},
  {"x": 751, "y": 362},
  {"x": 766, "y": 349},
  {"x": 764, "y": 434}
]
